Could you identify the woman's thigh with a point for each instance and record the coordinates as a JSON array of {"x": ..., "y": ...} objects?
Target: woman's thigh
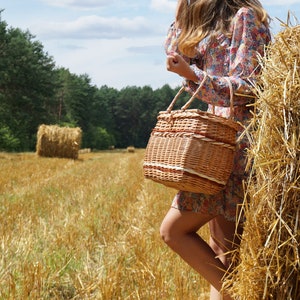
[{"x": 178, "y": 222}]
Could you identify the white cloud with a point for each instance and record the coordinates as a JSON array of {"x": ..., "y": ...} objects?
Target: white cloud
[
  {"x": 279, "y": 2},
  {"x": 96, "y": 27},
  {"x": 163, "y": 5},
  {"x": 87, "y": 4},
  {"x": 117, "y": 63}
]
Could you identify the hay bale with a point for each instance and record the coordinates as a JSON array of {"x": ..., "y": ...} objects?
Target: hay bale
[
  {"x": 55, "y": 141},
  {"x": 130, "y": 149},
  {"x": 85, "y": 150},
  {"x": 269, "y": 264}
]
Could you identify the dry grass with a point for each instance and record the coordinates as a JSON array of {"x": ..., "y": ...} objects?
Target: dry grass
[
  {"x": 269, "y": 255},
  {"x": 86, "y": 229}
]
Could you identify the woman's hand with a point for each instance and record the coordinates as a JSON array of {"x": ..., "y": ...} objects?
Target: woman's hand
[{"x": 176, "y": 63}]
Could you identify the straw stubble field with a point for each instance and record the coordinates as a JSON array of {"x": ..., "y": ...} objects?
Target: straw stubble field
[{"x": 87, "y": 229}]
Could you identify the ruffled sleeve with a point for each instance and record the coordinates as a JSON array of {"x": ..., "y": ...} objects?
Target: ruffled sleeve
[{"x": 171, "y": 41}]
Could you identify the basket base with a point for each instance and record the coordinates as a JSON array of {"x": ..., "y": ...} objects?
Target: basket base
[
  {"x": 188, "y": 163},
  {"x": 183, "y": 181}
]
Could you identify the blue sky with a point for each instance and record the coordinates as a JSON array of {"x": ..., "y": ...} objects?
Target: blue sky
[{"x": 118, "y": 43}]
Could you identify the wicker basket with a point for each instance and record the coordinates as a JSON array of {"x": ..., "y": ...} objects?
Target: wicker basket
[{"x": 191, "y": 150}]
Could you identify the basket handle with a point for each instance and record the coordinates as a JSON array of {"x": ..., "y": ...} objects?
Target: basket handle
[
  {"x": 196, "y": 92},
  {"x": 175, "y": 99}
]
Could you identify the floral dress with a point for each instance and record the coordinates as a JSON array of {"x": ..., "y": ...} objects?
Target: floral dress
[{"x": 222, "y": 58}]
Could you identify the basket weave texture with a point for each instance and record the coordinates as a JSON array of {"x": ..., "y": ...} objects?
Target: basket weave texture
[{"x": 191, "y": 150}]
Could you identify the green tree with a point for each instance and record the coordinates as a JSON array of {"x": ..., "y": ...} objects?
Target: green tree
[
  {"x": 74, "y": 96},
  {"x": 28, "y": 83},
  {"x": 102, "y": 106},
  {"x": 131, "y": 107},
  {"x": 98, "y": 138},
  {"x": 79, "y": 105},
  {"x": 7, "y": 140}
]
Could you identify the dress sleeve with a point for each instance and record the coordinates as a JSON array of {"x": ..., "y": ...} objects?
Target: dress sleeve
[
  {"x": 171, "y": 39},
  {"x": 248, "y": 41},
  {"x": 171, "y": 42}
]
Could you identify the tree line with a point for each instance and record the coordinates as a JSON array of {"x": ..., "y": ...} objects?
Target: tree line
[{"x": 34, "y": 91}]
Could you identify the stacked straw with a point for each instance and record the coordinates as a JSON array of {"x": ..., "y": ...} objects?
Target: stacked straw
[
  {"x": 55, "y": 141},
  {"x": 269, "y": 266}
]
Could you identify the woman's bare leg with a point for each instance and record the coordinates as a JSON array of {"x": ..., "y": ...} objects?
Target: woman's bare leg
[
  {"x": 223, "y": 240},
  {"x": 179, "y": 231}
]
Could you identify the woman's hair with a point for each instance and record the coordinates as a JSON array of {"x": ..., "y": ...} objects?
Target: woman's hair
[{"x": 200, "y": 18}]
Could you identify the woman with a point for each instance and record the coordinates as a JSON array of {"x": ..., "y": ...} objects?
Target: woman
[{"x": 221, "y": 39}]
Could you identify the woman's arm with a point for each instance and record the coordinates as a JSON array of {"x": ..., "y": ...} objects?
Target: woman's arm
[{"x": 249, "y": 39}]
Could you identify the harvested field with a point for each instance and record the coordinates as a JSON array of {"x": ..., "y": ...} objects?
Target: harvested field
[{"x": 87, "y": 229}]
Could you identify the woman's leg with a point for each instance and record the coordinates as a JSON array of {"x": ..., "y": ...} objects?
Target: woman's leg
[
  {"x": 223, "y": 240},
  {"x": 179, "y": 231}
]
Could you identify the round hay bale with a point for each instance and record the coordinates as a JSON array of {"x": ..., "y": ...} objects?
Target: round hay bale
[
  {"x": 268, "y": 259},
  {"x": 55, "y": 141},
  {"x": 131, "y": 149}
]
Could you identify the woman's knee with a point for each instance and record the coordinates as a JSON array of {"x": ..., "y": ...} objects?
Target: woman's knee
[
  {"x": 166, "y": 232},
  {"x": 176, "y": 225},
  {"x": 171, "y": 229}
]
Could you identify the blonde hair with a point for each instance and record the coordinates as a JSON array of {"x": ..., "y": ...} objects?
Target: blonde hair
[{"x": 200, "y": 18}]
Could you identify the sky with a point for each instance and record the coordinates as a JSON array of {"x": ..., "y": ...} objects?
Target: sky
[{"x": 117, "y": 43}]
